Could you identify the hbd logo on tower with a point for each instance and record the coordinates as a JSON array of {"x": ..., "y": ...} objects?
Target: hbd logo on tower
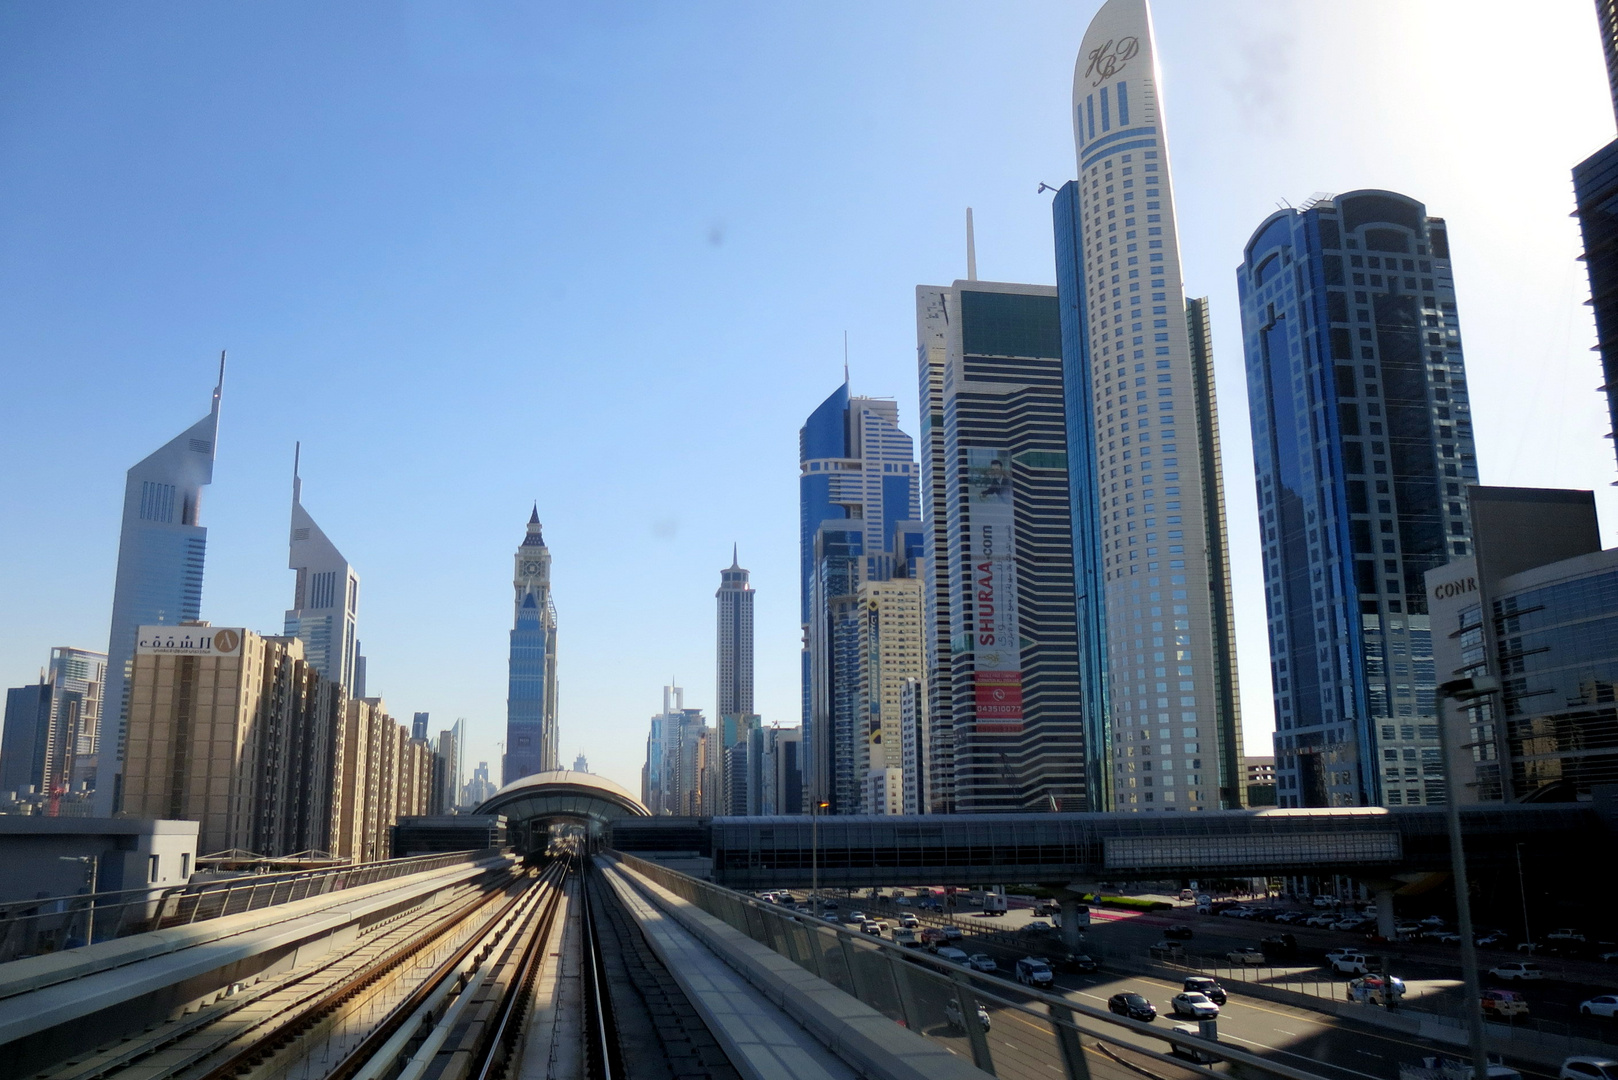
[{"x": 1109, "y": 59}]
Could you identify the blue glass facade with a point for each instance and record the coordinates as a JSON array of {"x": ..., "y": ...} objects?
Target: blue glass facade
[
  {"x": 1090, "y": 601},
  {"x": 1595, "y": 183},
  {"x": 531, "y": 715},
  {"x": 1362, "y": 449}
]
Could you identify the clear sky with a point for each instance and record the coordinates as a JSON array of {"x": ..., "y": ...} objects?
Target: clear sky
[{"x": 475, "y": 255}]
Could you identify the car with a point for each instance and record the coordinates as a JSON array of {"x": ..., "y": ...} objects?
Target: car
[
  {"x": 1167, "y": 950},
  {"x": 953, "y": 955},
  {"x": 1279, "y": 947},
  {"x": 907, "y": 938},
  {"x": 1337, "y": 954},
  {"x": 903, "y": 901},
  {"x": 1236, "y": 913},
  {"x": 1588, "y": 1068},
  {"x": 1245, "y": 956},
  {"x": 1038, "y": 926},
  {"x": 1187, "y": 896},
  {"x": 1189, "y": 1046},
  {"x": 1201, "y": 984},
  {"x": 1178, "y": 933},
  {"x": 982, "y": 962},
  {"x": 1442, "y": 937},
  {"x": 1572, "y": 937},
  {"x": 1035, "y": 971},
  {"x": 829, "y": 905},
  {"x": 1503, "y": 1003},
  {"x": 1195, "y": 1005},
  {"x": 1600, "y": 1005},
  {"x": 1080, "y": 962},
  {"x": 1353, "y": 964},
  {"x": 1047, "y": 907},
  {"x": 1492, "y": 940},
  {"x": 1320, "y": 921},
  {"x": 1132, "y": 1005},
  {"x": 1376, "y": 989},
  {"x": 1608, "y": 957},
  {"x": 872, "y": 927},
  {"x": 1517, "y": 970},
  {"x": 1434, "y": 922},
  {"x": 909, "y": 921},
  {"x": 856, "y": 916},
  {"x": 932, "y": 937},
  {"x": 1323, "y": 902},
  {"x": 952, "y": 1016},
  {"x": 1288, "y": 918},
  {"x": 952, "y": 933}
]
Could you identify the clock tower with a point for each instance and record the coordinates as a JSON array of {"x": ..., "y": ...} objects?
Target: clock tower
[{"x": 531, "y": 744}]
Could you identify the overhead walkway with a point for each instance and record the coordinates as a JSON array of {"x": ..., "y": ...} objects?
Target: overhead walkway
[{"x": 856, "y": 851}]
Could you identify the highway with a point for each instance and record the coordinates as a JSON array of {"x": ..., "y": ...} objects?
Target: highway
[{"x": 1335, "y": 1046}]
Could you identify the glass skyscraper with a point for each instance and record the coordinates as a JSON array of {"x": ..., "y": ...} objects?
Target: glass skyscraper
[
  {"x": 1011, "y": 660},
  {"x": 1362, "y": 449},
  {"x": 161, "y": 550},
  {"x": 857, "y": 498},
  {"x": 1595, "y": 184},
  {"x": 531, "y": 745},
  {"x": 1153, "y": 501},
  {"x": 325, "y": 598}
]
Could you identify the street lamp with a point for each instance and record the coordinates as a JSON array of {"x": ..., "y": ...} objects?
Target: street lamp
[
  {"x": 90, "y": 904},
  {"x": 1464, "y": 691},
  {"x": 814, "y": 851}
]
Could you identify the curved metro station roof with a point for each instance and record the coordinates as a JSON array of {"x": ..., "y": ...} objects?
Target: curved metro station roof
[{"x": 563, "y": 793}]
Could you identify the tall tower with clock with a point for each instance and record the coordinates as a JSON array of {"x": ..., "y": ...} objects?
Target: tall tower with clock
[{"x": 531, "y": 699}]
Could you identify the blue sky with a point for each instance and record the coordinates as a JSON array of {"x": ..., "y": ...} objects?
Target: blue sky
[{"x": 475, "y": 255}]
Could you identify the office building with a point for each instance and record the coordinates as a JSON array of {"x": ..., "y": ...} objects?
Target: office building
[
  {"x": 890, "y": 626},
  {"x": 1156, "y": 489},
  {"x": 1260, "y": 781},
  {"x": 48, "y": 752},
  {"x": 1595, "y": 187},
  {"x": 1362, "y": 450},
  {"x": 857, "y": 511},
  {"x": 933, "y": 565},
  {"x": 913, "y": 759},
  {"x": 733, "y": 681},
  {"x": 325, "y": 597},
  {"x": 683, "y": 770},
  {"x": 1018, "y": 726},
  {"x": 581, "y": 764},
  {"x": 1536, "y": 607},
  {"x": 531, "y": 702},
  {"x": 162, "y": 546},
  {"x": 480, "y": 788},
  {"x": 418, "y": 726}
]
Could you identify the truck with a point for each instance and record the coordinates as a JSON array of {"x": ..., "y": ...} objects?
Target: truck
[
  {"x": 907, "y": 938},
  {"x": 994, "y": 904}
]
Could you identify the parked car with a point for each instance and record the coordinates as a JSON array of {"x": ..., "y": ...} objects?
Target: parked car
[
  {"x": 1434, "y": 922},
  {"x": 1201, "y": 984},
  {"x": 952, "y": 1016},
  {"x": 1503, "y": 1004},
  {"x": 1352, "y": 922},
  {"x": 982, "y": 962},
  {"x": 1323, "y": 902},
  {"x": 1572, "y": 937},
  {"x": 953, "y": 955},
  {"x": 1320, "y": 921},
  {"x": 1245, "y": 956},
  {"x": 902, "y": 901},
  {"x": 1601, "y": 1005},
  {"x": 1376, "y": 989},
  {"x": 1588, "y": 1068},
  {"x": 1442, "y": 937},
  {"x": 1279, "y": 947},
  {"x": 1133, "y": 1006},
  {"x": 1353, "y": 964},
  {"x": 1167, "y": 950},
  {"x": 1289, "y": 917},
  {"x": 1178, "y": 933},
  {"x": 1337, "y": 954},
  {"x": 1035, "y": 971},
  {"x": 1187, "y": 896},
  {"x": 1608, "y": 957},
  {"x": 1517, "y": 970},
  {"x": 1494, "y": 939},
  {"x": 1195, "y": 1005}
]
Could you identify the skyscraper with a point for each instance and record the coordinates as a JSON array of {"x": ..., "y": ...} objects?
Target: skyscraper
[
  {"x": 733, "y": 683},
  {"x": 1154, "y": 493},
  {"x": 937, "y": 789},
  {"x": 1011, "y": 657},
  {"x": 418, "y": 725},
  {"x": 1595, "y": 185},
  {"x": 52, "y": 747},
  {"x": 857, "y": 500},
  {"x": 325, "y": 597},
  {"x": 161, "y": 550},
  {"x": 531, "y": 701},
  {"x": 1362, "y": 446}
]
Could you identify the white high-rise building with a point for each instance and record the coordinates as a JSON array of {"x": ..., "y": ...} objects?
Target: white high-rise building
[
  {"x": 325, "y": 599},
  {"x": 1171, "y": 656},
  {"x": 734, "y": 675}
]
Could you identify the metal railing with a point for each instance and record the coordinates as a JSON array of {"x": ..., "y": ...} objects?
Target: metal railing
[
  {"x": 1004, "y": 1029},
  {"x": 32, "y": 927}
]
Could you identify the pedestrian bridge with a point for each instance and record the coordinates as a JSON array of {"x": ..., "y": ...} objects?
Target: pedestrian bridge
[{"x": 857, "y": 851}]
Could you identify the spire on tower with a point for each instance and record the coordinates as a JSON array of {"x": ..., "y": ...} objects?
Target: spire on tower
[
  {"x": 533, "y": 519},
  {"x": 734, "y": 565},
  {"x": 971, "y": 249}
]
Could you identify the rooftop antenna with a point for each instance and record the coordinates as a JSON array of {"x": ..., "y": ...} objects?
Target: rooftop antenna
[
  {"x": 845, "y": 357},
  {"x": 297, "y": 484},
  {"x": 219, "y": 387},
  {"x": 1043, "y": 187},
  {"x": 971, "y": 249}
]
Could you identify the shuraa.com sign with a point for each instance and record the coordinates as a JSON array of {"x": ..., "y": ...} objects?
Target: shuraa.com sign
[{"x": 189, "y": 641}]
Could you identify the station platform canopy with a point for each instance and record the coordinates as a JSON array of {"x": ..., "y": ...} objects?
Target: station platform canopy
[{"x": 563, "y": 796}]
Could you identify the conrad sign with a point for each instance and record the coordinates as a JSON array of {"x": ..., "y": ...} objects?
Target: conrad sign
[
  {"x": 188, "y": 641},
  {"x": 1449, "y": 590}
]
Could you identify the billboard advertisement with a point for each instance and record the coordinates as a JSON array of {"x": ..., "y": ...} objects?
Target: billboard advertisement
[
  {"x": 188, "y": 641},
  {"x": 996, "y": 637}
]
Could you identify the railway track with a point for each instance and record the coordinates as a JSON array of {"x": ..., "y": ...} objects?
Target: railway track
[{"x": 445, "y": 992}]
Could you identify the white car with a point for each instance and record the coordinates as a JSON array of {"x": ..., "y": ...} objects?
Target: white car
[
  {"x": 982, "y": 962},
  {"x": 1245, "y": 956},
  {"x": 909, "y": 921},
  {"x": 1320, "y": 921},
  {"x": 1514, "y": 970},
  {"x": 1195, "y": 1005},
  {"x": 1568, "y": 936},
  {"x": 954, "y": 956},
  {"x": 1337, "y": 954},
  {"x": 1588, "y": 1068},
  {"x": 1603, "y": 1005}
]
